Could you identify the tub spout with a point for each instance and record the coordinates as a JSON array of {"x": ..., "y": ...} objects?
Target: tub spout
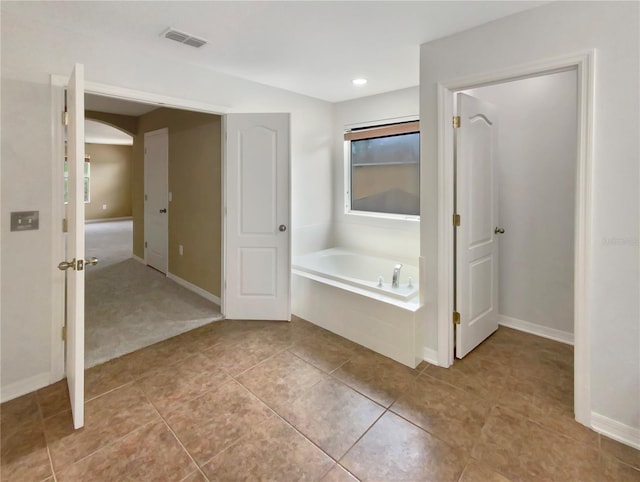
[{"x": 395, "y": 282}]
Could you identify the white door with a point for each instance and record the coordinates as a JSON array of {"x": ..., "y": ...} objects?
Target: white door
[
  {"x": 476, "y": 243},
  {"x": 156, "y": 188},
  {"x": 74, "y": 265},
  {"x": 258, "y": 262}
]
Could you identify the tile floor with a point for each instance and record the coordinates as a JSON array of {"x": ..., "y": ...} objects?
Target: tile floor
[{"x": 238, "y": 400}]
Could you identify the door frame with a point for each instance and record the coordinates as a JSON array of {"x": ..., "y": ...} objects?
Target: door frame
[
  {"x": 164, "y": 131},
  {"x": 584, "y": 63},
  {"x": 58, "y": 84}
]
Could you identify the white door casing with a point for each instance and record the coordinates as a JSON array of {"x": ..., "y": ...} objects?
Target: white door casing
[
  {"x": 75, "y": 245},
  {"x": 156, "y": 205},
  {"x": 257, "y": 271},
  {"x": 476, "y": 243}
]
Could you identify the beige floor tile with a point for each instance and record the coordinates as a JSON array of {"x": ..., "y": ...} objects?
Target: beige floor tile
[
  {"x": 272, "y": 451},
  {"x": 325, "y": 354},
  {"x": 448, "y": 412},
  {"x": 209, "y": 424},
  {"x": 376, "y": 376},
  {"x": 543, "y": 404},
  {"x": 615, "y": 471},
  {"x": 195, "y": 476},
  {"x": 332, "y": 415},
  {"x": 182, "y": 382},
  {"x": 54, "y": 398},
  {"x": 481, "y": 377},
  {"x": 476, "y": 472},
  {"x": 151, "y": 453},
  {"x": 395, "y": 450},
  {"x": 108, "y": 376},
  {"x": 156, "y": 358},
  {"x": 24, "y": 454},
  {"x": 19, "y": 411},
  {"x": 623, "y": 452},
  {"x": 236, "y": 358},
  {"x": 339, "y": 474},
  {"x": 523, "y": 450},
  {"x": 281, "y": 379},
  {"x": 107, "y": 419}
]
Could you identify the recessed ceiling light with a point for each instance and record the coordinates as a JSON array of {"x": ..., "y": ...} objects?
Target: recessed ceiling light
[{"x": 359, "y": 81}]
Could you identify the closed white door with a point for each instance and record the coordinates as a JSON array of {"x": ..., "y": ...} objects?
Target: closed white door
[
  {"x": 476, "y": 243},
  {"x": 258, "y": 262},
  {"x": 156, "y": 204},
  {"x": 74, "y": 264}
]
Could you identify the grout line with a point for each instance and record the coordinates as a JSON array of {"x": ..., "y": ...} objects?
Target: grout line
[
  {"x": 362, "y": 436},
  {"x": 108, "y": 392},
  {"x": 112, "y": 443},
  {"x": 288, "y": 423},
  {"x": 175, "y": 436}
]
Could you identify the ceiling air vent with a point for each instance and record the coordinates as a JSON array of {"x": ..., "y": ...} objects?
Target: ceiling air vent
[{"x": 183, "y": 38}]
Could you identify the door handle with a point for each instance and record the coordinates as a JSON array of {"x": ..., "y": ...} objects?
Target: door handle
[
  {"x": 91, "y": 262},
  {"x": 163, "y": 210},
  {"x": 282, "y": 228},
  {"x": 65, "y": 265},
  {"x": 498, "y": 230}
]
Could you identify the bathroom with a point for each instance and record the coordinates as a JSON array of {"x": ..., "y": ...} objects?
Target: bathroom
[{"x": 368, "y": 264}]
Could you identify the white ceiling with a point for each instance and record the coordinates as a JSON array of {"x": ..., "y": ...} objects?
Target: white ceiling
[
  {"x": 113, "y": 105},
  {"x": 314, "y": 48}
]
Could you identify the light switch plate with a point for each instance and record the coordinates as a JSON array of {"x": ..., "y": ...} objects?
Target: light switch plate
[{"x": 24, "y": 220}]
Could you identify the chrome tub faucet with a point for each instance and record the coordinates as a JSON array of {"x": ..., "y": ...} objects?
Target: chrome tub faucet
[{"x": 395, "y": 282}]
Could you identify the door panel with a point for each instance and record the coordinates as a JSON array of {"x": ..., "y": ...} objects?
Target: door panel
[
  {"x": 257, "y": 240},
  {"x": 75, "y": 245},
  {"x": 476, "y": 243},
  {"x": 156, "y": 206}
]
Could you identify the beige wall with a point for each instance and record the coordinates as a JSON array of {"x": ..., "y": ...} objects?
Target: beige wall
[
  {"x": 110, "y": 181},
  {"x": 195, "y": 183}
]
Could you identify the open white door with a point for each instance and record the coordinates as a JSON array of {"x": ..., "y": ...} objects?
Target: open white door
[
  {"x": 156, "y": 199},
  {"x": 476, "y": 243},
  {"x": 258, "y": 261},
  {"x": 74, "y": 266}
]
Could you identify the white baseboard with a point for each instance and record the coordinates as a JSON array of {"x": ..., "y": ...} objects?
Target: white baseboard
[
  {"x": 430, "y": 355},
  {"x": 22, "y": 387},
  {"x": 534, "y": 329},
  {"x": 616, "y": 430},
  {"x": 106, "y": 220},
  {"x": 196, "y": 289},
  {"x": 138, "y": 259}
]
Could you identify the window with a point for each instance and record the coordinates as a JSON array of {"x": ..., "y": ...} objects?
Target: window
[
  {"x": 87, "y": 179},
  {"x": 384, "y": 169}
]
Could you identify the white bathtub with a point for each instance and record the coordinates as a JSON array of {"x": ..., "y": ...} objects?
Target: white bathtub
[
  {"x": 355, "y": 270},
  {"x": 338, "y": 289}
]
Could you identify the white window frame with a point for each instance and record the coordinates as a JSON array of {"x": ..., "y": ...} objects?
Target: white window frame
[{"x": 347, "y": 173}]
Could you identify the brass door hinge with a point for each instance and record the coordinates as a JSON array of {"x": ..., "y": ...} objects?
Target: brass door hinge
[
  {"x": 456, "y": 318},
  {"x": 65, "y": 118},
  {"x": 145, "y": 244},
  {"x": 456, "y": 220},
  {"x": 456, "y": 121},
  {"x": 64, "y": 333},
  {"x": 65, "y": 225}
]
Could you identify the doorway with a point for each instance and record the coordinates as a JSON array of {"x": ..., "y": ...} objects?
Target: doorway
[
  {"x": 133, "y": 299},
  {"x": 583, "y": 64}
]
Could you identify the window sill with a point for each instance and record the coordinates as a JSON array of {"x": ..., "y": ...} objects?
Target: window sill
[{"x": 384, "y": 217}]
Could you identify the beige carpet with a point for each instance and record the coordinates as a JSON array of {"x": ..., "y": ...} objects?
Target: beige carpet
[{"x": 128, "y": 305}]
